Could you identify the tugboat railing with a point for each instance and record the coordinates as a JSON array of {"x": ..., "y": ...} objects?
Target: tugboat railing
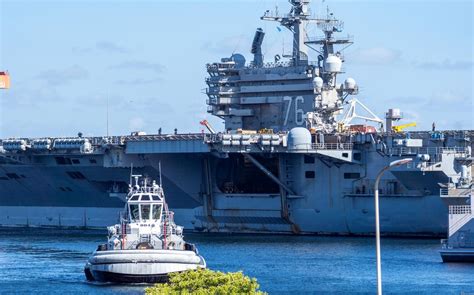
[
  {"x": 446, "y": 244},
  {"x": 148, "y": 190}
]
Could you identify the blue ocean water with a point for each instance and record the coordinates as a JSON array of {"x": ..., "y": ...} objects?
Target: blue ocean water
[{"x": 41, "y": 261}]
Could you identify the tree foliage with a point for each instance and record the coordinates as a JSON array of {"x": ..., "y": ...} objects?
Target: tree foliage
[{"x": 205, "y": 281}]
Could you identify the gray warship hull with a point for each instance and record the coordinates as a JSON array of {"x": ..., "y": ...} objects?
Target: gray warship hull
[
  {"x": 215, "y": 188},
  {"x": 288, "y": 161}
]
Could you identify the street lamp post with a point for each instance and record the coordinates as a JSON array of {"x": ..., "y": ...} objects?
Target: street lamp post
[{"x": 377, "y": 219}]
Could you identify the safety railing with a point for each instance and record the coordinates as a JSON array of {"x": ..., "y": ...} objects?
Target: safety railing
[
  {"x": 460, "y": 209},
  {"x": 456, "y": 192},
  {"x": 222, "y": 90},
  {"x": 256, "y": 138},
  {"x": 424, "y": 166},
  {"x": 187, "y": 136},
  {"x": 322, "y": 39},
  {"x": 444, "y": 192},
  {"x": 97, "y": 142},
  {"x": 332, "y": 146},
  {"x": 426, "y": 150},
  {"x": 221, "y": 66}
]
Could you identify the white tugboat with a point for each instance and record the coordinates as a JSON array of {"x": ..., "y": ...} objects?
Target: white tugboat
[{"x": 147, "y": 245}]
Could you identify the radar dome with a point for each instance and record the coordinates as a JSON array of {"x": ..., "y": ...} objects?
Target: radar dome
[
  {"x": 333, "y": 64},
  {"x": 318, "y": 82},
  {"x": 239, "y": 60},
  {"x": 350, "y": 84},
  {"x": 299, "y": 138}
]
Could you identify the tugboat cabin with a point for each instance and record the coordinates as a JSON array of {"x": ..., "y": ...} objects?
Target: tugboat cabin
[{"x": 145, "y": 208}]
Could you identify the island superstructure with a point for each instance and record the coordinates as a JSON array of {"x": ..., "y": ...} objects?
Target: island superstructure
[{"x": 292, "y": 157}]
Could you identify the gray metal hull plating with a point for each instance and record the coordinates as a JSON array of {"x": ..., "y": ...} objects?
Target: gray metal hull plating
[
  {"x": 324, "y": 204},
  {"x": 336, "y": 197}
]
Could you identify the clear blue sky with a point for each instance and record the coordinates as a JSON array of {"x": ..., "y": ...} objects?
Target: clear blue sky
[{"x": 148, "y": 58}]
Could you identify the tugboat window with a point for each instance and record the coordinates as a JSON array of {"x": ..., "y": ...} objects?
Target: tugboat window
[
  {"x": 156, "y": 211},
  {"x": 145, "y": 212},
  {"x": 145, "y": 198},
  {"x": 134, "y": 212},
  {"x": 134, "y": 198}
]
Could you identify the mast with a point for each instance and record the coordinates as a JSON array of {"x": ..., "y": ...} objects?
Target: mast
[{"x": 294, "y": 21}]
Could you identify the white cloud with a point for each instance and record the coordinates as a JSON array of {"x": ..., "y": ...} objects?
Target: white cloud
[
  {"x": 375, "y": 56},
  {"x": 139, "y": 65},
  {"x": 111, "y": 47},
  {"x": 448, "y": 97},
  {"x": 411, "y": 116},
  {"x": 446, "y": 64},
  {"x": 138, "y": 81},
  {"x": 449, "y": 109},
  {"x": 435, "y": 100},
  {"x": 63, "y": 76},
  {"x": 104, "y": 46},
  {"x": 228, "y": 46},
  {"x": 26, "y": 95}
]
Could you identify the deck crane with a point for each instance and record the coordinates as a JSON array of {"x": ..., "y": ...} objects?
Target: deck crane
[
  {"x": 208, "y": 126},
  {"x": 400, "y": 128}
]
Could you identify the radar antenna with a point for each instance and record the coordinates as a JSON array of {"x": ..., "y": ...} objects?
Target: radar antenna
[
  {"x": 295, "y": 22},
  {"x": 257, "y": 48},
  {"x": 329, "y": 26}
]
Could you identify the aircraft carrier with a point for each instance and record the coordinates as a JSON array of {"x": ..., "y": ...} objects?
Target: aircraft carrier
[{"x": 293, "y": 158}]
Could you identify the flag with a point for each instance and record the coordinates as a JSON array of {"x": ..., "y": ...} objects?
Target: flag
[{"x": 4, "y": 80}]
